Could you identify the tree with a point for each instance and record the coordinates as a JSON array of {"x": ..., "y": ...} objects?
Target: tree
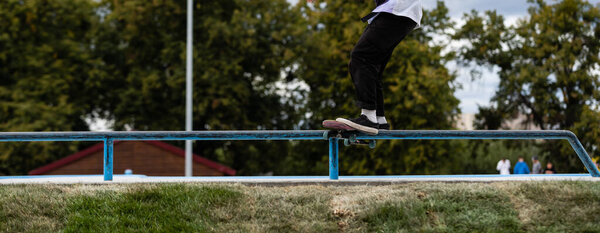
[
  {"x": 47, "y": 76},
  {"x": 546, "y": 63},
  {"x": 418, "y": 87},
  {"x": 241, "y": 49}
]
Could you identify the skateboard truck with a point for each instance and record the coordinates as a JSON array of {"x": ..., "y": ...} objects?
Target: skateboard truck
[
  {"x": 353, "y": 141},
  {"x": 349, "y": 138}
]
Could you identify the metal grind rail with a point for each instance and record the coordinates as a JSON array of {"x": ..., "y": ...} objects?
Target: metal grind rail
[{"x": 109, "y": 137}]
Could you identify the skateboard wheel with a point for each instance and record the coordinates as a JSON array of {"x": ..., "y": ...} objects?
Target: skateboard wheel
[
  {"x": 326, "y": 135},
  {"x": 347, "y": 142},
  {"x": 372, "y": 144},
  {"x": 352, "y": 138}
]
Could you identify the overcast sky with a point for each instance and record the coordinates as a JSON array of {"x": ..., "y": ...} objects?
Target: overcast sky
[{"x": 479, "y": 92}]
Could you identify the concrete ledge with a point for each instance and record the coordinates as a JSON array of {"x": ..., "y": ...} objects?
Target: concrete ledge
[{"x": 290, "y": 180}]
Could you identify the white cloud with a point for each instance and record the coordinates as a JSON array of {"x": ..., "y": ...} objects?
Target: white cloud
[
  {"x": 478, "y": 91},
  {"x": 475, "y": 91},
  {"x": 504, "y": 7}
]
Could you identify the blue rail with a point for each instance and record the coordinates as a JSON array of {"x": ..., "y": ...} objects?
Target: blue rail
[{"x": 109, "y": 137}]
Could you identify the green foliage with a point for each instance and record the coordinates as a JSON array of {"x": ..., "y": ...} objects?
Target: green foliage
[
  {"x": 164, "y": 208},
  {"x": 268, "y": 65},
  {"x": 167, "y": 208},
  {"x": 237, "y": 59},
  {"x": 32, "y": 208},
  {"x": 66, "y": 61},
  {"x": 48, "y": 75},
  {"x": 588, "y": 131},
  {"x": 414, "y": 207},
  {"x": 489, "y": 118},
  {"x": 553, "y": 205},
  {"x": 440, "y": 210},
  {"x": 240, "y": 50},
  {"x": 547, "y": 64}
]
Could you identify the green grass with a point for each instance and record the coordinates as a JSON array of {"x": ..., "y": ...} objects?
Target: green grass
[{"x": 416, "y": 207}]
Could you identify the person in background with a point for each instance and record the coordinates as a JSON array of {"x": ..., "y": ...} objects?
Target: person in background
[
  {"x": 503, "y": 166},
  {"x": 549, "y": 169},
  {"x": 536, "y": 167},
  {"x": 521, "y": 167}
]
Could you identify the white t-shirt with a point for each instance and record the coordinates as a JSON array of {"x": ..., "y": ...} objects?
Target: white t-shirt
[
  {"x": 503, "y": 167},
  {"x": 407, "y": 8}
]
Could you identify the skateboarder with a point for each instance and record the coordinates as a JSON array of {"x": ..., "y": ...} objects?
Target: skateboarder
[{"x": 387, "y": 25}]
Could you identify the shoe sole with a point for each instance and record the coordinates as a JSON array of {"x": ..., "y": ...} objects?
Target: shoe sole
[{"x": 358, "y": 127}]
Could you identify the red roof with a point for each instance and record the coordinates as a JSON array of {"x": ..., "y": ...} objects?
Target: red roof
[{"x": 100, "y": 147}]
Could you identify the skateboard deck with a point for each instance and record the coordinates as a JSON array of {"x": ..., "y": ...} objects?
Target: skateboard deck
[
  {"x": 341, "y": 130},
  {"x": 331, "y": 124}
]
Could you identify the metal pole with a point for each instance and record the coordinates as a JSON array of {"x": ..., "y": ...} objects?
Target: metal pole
[
  {"x": 108, "y": 159},
  {"x": 333, "y": 158},
  {"x": 188, "y": 102},
  {"x": 109, "y": 137},
  {"x": 584, "y": 157}
]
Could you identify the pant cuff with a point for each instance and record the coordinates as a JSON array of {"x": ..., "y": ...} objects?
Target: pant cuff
[{"x": 366, "y": 106}]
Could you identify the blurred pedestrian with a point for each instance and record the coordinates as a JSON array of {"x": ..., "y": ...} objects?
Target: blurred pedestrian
[
  {"x": 503, "y": 166},
  {"x": 549, "y": 169},
  {"x": 536, "y": 167},
  {"x": 521, "y": 167}
]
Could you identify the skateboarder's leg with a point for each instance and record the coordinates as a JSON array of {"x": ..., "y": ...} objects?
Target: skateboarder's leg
[
  {"x": 380, "y": 98},
  {"x": 364, "y": 69},
  {"x": 368, "y": 60},
  {"x": 381, "y": 121}
]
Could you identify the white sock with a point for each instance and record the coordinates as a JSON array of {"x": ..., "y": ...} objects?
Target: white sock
[
  {"x": 381, "y": 120},
  {"x": 371, "y": 114}
]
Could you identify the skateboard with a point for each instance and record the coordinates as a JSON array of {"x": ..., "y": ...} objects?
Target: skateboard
[{"x": 343, "y": 131}]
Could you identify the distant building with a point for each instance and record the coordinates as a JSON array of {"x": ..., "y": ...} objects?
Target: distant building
[
  {"x": 520, "y": 122},
  {"x": 151, "y": 158},
  {"x": 466, "y": 121}
]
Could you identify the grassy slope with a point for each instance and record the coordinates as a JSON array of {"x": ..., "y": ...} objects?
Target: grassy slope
[{"x": 426, "y": 207}]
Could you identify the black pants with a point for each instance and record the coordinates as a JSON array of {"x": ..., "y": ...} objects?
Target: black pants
[{"x": 372, "y": 53}]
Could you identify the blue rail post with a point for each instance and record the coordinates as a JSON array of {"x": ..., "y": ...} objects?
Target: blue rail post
[
  {"x": 583, "y": 155},
  {"x": 333, "y": 158},
  {"x": 108, "y": 159}
]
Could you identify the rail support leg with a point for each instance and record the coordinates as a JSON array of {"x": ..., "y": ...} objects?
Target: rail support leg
[
  {"x": 585, "y": 158},
  {"x": 108, "y": 159},
  {"x": 333, "y": 158}
]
